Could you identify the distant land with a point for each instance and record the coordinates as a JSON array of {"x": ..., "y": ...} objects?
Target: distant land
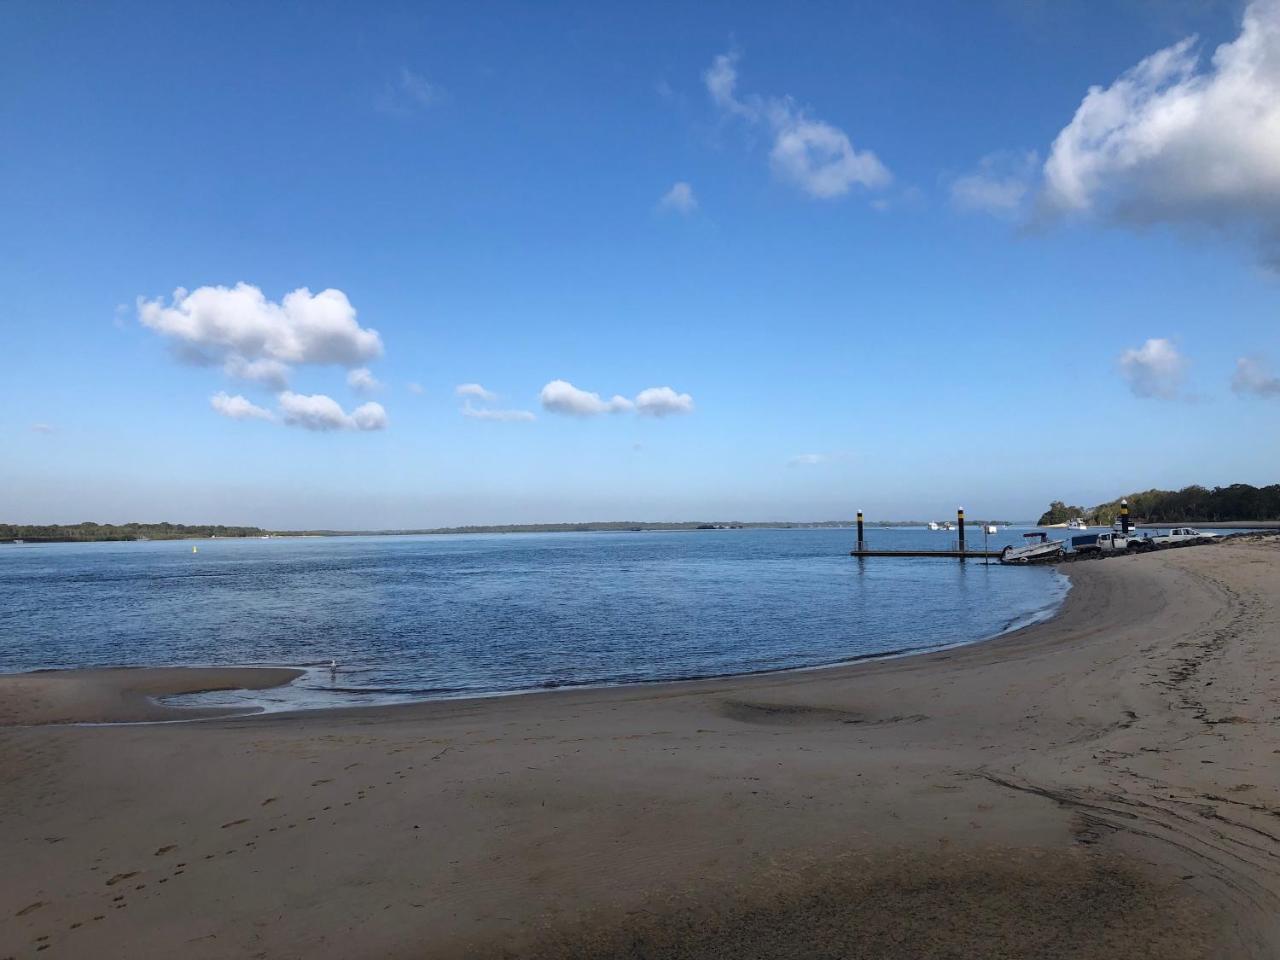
[
  {"x": 1194, "y": 504},
  {"x": 91, "y": 532}
]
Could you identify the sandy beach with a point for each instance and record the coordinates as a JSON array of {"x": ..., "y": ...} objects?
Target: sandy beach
[{"x": 1103, "y": 785}]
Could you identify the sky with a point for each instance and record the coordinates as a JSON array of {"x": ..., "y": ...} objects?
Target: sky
[{"x": 390, "y": 265}]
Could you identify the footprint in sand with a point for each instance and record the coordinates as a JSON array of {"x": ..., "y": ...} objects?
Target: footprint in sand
[
  {"x": 29, "y": 908},
  {"x": 235, "y": 823},
  {"x": 166, "y": 849},
  {"x": 121, "y": 876}
]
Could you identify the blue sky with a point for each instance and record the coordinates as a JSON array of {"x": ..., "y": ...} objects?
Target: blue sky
[{"x": 910, "y": 266}]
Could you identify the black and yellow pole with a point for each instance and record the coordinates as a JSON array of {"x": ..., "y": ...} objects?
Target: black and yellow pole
[
  {"x": 1124, "y": 517},
  {"x": 861, "y": 544},
  {"x": 960, "y": 527}
]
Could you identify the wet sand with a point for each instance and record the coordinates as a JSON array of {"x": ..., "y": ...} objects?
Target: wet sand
[{"x": 1104, "y": 785}]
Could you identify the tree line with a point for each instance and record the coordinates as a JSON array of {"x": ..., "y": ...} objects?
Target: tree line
[
  {"x": 89, "y": 531},
  {"x": 1194, "y": 504}
]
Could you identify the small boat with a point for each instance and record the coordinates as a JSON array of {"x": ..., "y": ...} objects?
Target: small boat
[
  {"x": 934, "y": 526},
  {"x": 990, "y": 528},
  {"x": 1077, "y": 523},
  {"x": 195, "y": 550},
  {"x": 1036, "y": 548}
]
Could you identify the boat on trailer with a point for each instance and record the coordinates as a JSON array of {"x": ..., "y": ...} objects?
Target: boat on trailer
[{"x": 1036, "y": 548}]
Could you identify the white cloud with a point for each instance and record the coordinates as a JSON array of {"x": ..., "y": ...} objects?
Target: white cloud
[
  {"x": 1253, "y": 377},
  {"x": 414, "y": 388},
  {"x": 506, "y": 416},
  {"x": 239, "y": 326},
  {"x": 362, "y": 379},
  {"x": 679, "y": 199},
  {"x": 560, "y": 396},
  {"x": 238, "y": 408},
  {"x": 1175, "y": 140},
  {"x": 320, "y": 412},
  {"x": 663, "y": 402},
  {"x": 1000, "y": 184},
  {"x": 409, "y": 93},
  {"x": 42, "y": 428},
  {"x": 1155, "y": 369},
  {"x": 807, "y": 459},
  {"x": 475, "y": 391},
  {"x": 813, "y": 155}
]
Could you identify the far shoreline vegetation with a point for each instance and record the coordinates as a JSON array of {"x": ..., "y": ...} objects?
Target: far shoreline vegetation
[{"x": 1239, "y": 502}]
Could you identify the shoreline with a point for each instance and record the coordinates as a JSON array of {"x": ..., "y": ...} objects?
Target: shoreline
[
  {"x": 153, "y": 684},
  {"x": 1098, "y": 786}
]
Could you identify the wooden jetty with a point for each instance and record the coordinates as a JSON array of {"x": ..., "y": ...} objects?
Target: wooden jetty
[
  {"x": 954, "y": 554},
  {"x": 961, "y": 553}
]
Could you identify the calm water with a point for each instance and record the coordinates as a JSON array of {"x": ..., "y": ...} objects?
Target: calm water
[{"x": 411, "y": 617}]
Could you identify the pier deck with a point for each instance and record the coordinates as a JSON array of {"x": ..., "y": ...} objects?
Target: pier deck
[{"x": 954, "y": 554}]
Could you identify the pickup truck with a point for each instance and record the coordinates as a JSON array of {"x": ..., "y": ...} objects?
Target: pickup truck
[
  {"x": 1111, "y": 543},
  {"x": 1180, "y": 535}
]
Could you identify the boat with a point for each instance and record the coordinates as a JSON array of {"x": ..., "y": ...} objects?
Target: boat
[
  {"x": 1036, "y": 548},
  {"x": 990, "y": 528},
  {"x": 934, "y": 526},
  {"x": 1077, "y": 523}
]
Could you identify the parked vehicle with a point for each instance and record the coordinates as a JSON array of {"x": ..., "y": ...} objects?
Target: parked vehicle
[
  {"x": 1037, "y": 548},
  {"x": 1111, "y": 543},
  {"x": 1180, "y": 535}
]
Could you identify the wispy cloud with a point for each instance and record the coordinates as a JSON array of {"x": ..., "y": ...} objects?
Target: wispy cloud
[
  {"x": 679, "y": 199},
  {"x": 407, "y": 94},
  {"x": 488, "y": 413},
  {"x": 1000, "y": 185},
  {"x": 42, "y": 428},
  {"x": 807, "y": 460},
  {"x": 1252, "y": 377},
  {"x": 1154, "y": 370},
  {"x": 475, "y": 391},
  {"x": 810, "y": 154}
]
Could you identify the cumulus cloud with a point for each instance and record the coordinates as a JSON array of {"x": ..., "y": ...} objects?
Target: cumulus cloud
[
  {"x": 999, "y": 186},
  {"x": 812, "y": 155},
  {"x": 807, "y": 460},
  {"x": 662, "y": 402},
  {"x": 679, "y": 199},
  {"x": 257, "y": 338},
  {"x": 323, "y": 413},
  {"x": 1156, "y": 369},
  {"x": 363, "y": 380},
  {"x": 1178, "y": 140},
  {"x": 561, "y": 396},
  {"x": 505, "y": 416},
  {"x": 475, "y": 391},
  {"x": 1253, "y": 377},
  {"x": 238, "y": 408}
]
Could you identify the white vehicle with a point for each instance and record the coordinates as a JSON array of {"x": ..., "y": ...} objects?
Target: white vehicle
[
  {"x": 1180, "y": 535},
  {"x": 1112, "y": 543},
  {"x": 1037, "y": 548}
]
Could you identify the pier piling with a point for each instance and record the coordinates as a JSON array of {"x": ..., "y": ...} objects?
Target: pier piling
[
  {"x": 960, "y": 528},
  {"x": 1125, "y": 526},
  {"x": 862, "y": 544}
]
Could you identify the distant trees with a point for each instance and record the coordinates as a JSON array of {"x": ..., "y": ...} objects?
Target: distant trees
[
  {"x": 89, "y": 531},
  {"x": 1194, "y": 504}
]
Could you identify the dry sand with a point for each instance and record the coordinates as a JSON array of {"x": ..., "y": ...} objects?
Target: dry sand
[{"x": 1106, "y": 785}]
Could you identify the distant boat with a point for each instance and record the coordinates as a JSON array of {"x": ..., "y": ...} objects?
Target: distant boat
[
  {"x": 195, "y": 550},
  {"x": 934, "y": 526},
  {"x": 1077, "y": 523},
  {"x": 991, "y": 528}
]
